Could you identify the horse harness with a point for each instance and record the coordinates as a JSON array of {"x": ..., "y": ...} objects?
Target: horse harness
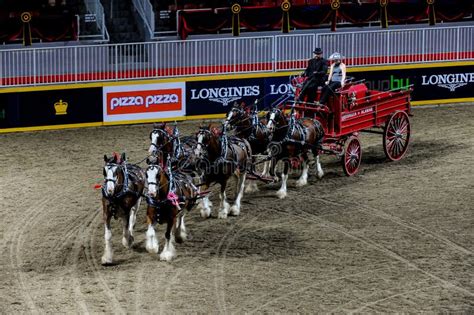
[{"x": 128, "y": 170}]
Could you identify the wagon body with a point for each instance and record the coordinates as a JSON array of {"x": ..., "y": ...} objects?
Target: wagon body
[{"x": 356, "y": 109}]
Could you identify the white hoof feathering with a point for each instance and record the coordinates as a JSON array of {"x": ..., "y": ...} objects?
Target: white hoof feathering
[
  {"x": 205, "y": 212},
  {"x": 235, "y": 210},
  {"x": 106, "y": 260},
  {"x": 301, "y": 182},
  {"x": 127, "y": 241},
  {"x": 168, "y": 253},
  {"x": 251, "y": 187},
  {"x": 151, "y": 241},
  {"x": 281, "y": 194}
]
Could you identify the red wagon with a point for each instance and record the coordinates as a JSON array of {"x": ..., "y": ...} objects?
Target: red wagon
[{"x": 354, "y": 109}]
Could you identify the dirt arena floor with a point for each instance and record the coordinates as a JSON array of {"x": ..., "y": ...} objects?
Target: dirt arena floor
[{"x": 397, "y": 237}]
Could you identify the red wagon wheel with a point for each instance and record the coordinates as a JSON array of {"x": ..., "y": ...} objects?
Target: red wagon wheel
[
  {"x": 396, "y": 136},
  {"x": 352, "y": 156}
]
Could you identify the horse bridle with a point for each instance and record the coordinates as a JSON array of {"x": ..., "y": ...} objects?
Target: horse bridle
[
  {"x": 151, "y": 166},
  {"x": 165, "y": 134},
  {"x": 110, "y": 166}
]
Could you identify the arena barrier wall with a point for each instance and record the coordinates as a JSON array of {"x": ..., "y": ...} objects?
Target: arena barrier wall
[
  {"x": 53, "y": 108},
  {"x": 84, "y": 105}
]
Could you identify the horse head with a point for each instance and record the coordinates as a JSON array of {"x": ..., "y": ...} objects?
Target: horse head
[
  {"x": 204, "y": 138},
  {"x": 153, "y": 175},
  {"x": 159, "y": 137},
  {"x": 275, "y": 119},
  {"x": 111, "y": 174},
  {"x": 236, "y": 115}
]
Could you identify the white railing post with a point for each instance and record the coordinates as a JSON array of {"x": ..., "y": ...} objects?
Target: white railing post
[
  {"x": 234, "y": 58},
  {"x": 116, "y": 61},
  {"x": 274, "y": 54},
  {"x": 34, "y": 66},
  {"x": 458, "y": 41},
  {"x": 423, "y": 44},
  {"x": 388, "y": 47}
]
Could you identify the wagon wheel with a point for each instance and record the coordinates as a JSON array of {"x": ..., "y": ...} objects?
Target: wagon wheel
[
  {"x": 351, "y": 156},
  {"x": 396, "y": 136}
]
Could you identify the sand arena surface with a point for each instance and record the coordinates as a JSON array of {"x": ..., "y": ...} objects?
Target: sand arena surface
[{"x": 397, "y": 237}]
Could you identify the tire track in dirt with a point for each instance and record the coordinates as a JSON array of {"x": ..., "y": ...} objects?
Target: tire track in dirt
[
  {"x": 91, "y": 259},
  {"x": 30, "y": 215},
  {"x": 404, "y": 291},
  {"x": 371, "y": 243},
  {"x": 216, "y": 243},
  {"x": 391, "y": 297}
]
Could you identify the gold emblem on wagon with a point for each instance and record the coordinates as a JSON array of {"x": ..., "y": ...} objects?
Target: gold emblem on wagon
[{"x": 61, "y": 107}]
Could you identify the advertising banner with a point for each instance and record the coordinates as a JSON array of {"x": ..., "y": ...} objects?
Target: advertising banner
[
  {"x": 218, "y": 96},
  {"x": 144, "y": 102},
  {"x": 437, "y": 83},
  {"x": 55, "y": 107}
]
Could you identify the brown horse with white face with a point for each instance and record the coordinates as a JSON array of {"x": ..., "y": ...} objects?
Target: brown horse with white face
[
  {"x": 121, "y": 195},
  {"x": 170, "y": 193},
  {"x": 292, "y": 140},
  {"x": 222, "y": 157}
]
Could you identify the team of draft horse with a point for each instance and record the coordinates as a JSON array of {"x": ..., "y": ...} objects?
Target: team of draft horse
[{"x": 180, "y": 171}]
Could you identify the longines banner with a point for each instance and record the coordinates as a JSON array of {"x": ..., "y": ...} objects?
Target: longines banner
[
  {"x": 144, "y": 102},
  {"x": 438, "y": 83},
  {"x": 57, "y": 107},
  {"x": 218, "y": 96}
]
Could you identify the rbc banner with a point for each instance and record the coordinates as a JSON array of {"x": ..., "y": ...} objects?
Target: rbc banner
[{"x": 55, "y": 107}]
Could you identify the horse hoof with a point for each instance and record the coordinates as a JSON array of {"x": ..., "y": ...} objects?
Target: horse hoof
[
  {"x": 234, "y": 210},
  {"x": 222, "y": 215},
  {"x": 167, "y": 256},
  {"x": 106, "y": 261},
  {"x": 320, "y": 175},
  {"x": 181, "y": 237},
  {"x": 301, "y": 183},
  {"x": 152, "y": 249},
  {"x": 205, "y": 213},
  {"x": 281, "y": 194}
]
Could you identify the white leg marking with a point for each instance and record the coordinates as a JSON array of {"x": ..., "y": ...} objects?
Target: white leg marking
[
  {"x": 182, "y": 229},
  {"x": 235, "y": 210},
  {"x": 281, "y": 193},
  {"x": 206, "y": 208},
  {"x": 107, "y": 258},
  {"x": 126, "y": 237},
  {"x": 251, "y": 186},
  {"x": 266, "y": 168},
  {"x": 303, "y": 180},
  {"x": 224, "y": 207},
  {"x": 169, "y": 252},
  {"x": 151, "y": 240},
  {"x": 319, "y": 168}
]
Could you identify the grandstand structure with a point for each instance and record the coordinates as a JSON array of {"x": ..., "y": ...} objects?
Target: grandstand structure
[{"x": 74, "y": 41}]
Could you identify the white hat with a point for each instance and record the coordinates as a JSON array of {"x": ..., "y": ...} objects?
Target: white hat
[{"x": 335, "y": 56}]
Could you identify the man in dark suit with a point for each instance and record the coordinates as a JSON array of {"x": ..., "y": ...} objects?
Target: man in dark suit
[{"x": 315, "y": 76}]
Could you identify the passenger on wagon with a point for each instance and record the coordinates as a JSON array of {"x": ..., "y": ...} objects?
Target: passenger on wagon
[
  {"x": 315, "y": 72},
  {"x": 336, "y": 79}
]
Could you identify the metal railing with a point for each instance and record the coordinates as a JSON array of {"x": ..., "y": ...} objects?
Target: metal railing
[
  {"x": 146, "y": 12},
  {"x": 36, "y": 66},
  {"x": 96, "y": 10}
]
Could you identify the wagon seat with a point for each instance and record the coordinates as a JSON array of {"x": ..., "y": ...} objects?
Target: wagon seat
[{"x": 355, "y": 95}]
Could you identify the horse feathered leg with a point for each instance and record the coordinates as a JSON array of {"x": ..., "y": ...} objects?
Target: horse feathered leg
[
  {"x": 181, "y": 234},
  {"x": 151, "y": 244},
  {"x": 235, "y": 209},
  {"x": 303, "y": 180},
  {"x": 319, "y": 168},
  {"x": 169, "y": 251},
  {"x": 107, "y": 258},
  {"x": 127, "y": 239},
  {"x": 224, "y": 206},
  {"x": 281, "y": 193},
  {"x": 205, "y": 204},
  {"x": 133, "y": 217}
]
